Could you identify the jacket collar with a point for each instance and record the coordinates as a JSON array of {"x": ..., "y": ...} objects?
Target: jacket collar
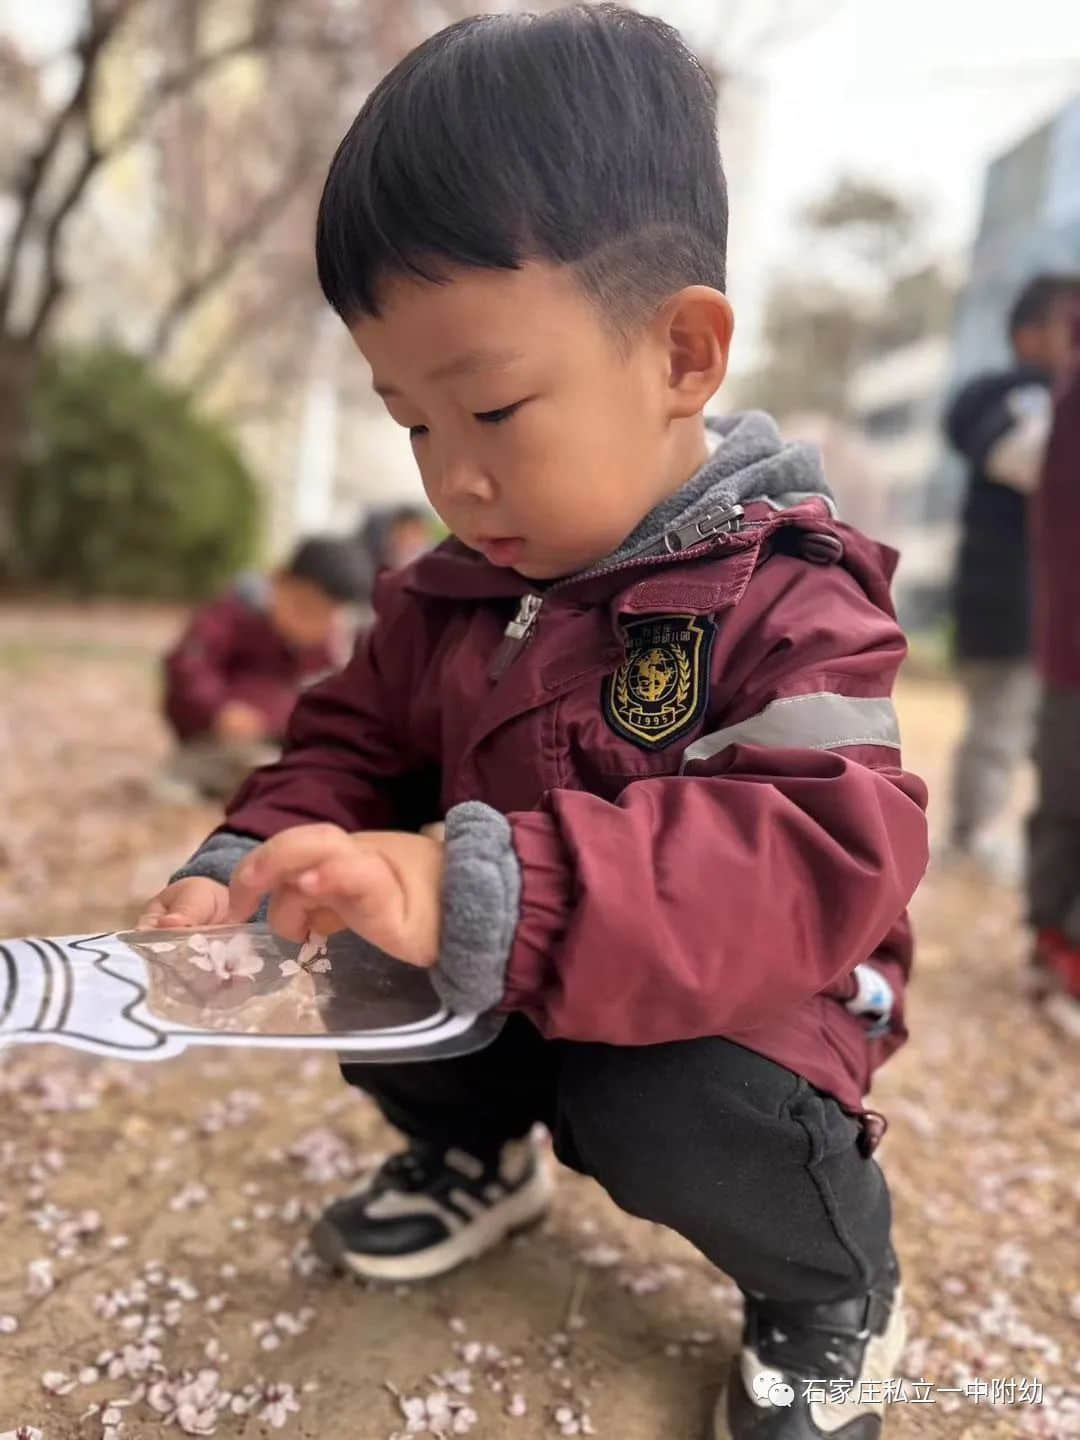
[
  {"x": 749, "y": 468},
  {"x": 663, "y": 577}
]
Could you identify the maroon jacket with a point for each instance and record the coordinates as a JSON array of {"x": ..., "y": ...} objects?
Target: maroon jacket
[
  {"x": 230, "y": 650},
  {"x": 1057, "y": 541},
  {"x": 696, "y": 756}
]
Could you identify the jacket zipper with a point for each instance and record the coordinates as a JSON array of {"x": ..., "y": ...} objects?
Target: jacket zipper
[
  {"x": 515, "y": 635},
  {"x": 714, "y": 522},
  {"x": 519, "y": 631}
]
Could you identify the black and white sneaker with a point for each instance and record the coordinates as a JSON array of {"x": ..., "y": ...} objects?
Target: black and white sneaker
[
  {"x": 428, "y": 1210},
  {"x": 815, "y": 1372}
]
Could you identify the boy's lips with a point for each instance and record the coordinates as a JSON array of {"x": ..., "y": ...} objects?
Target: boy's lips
[{"x": 503, "y": 550}]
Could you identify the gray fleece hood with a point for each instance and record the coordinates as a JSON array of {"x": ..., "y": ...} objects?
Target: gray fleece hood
[{"x": 749, "y": 461}]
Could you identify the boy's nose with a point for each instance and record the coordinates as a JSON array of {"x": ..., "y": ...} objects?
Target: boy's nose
[{"x": 461, "y": 479}]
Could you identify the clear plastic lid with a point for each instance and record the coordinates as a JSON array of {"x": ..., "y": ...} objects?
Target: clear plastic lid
[{"x": 153, "y": 992}]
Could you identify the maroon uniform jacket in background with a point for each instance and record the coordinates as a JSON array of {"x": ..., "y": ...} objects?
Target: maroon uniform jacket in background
[
  {"x": 1057, "y": 548},
  {"x": 230, "y": 650},
  {"x": 669, "y": 890}
]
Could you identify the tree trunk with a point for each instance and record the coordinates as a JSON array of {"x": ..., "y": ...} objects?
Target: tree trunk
[{"x": 18, "y": 367}]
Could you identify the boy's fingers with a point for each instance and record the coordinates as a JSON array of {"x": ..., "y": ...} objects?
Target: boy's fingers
[
  {"x": 290, "y": 914},
  {"x": 293, "y": 917},
  {"x": 172, "y": 920},
  {"x": 157, "y": 917},
  {"x": 325, "y": 921},
  {"x": 243, "y": 902},
  {"x": 278, "y": 860},
  {"x": 185, "y": 904},
  {"x": 151, "y": 916},
  {"x": 362, "y": 890},
  {"x": 362, "y": 879}
]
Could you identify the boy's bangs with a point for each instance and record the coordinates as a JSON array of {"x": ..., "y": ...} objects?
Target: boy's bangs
[
  {"x": 508, "y": 137},
  {"x": 400, "y": 204}
]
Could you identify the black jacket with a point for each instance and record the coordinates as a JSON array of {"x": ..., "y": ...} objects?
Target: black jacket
[{"x": 992, "y": 597}]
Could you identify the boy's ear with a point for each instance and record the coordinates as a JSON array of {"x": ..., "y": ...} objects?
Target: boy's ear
[{"x": 695, "y": 330}]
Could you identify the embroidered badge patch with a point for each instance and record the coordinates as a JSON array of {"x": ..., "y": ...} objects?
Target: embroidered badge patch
[{"x": 660, "y": 689}]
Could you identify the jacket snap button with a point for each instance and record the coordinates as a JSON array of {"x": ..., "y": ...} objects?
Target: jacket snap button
[{"x": 821, "y": 549}]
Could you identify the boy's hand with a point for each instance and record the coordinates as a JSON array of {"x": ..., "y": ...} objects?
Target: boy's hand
[
  {"x": 384, "y": 884},
  {"x": 239, "y": 721},
  {"x": 187, "y": 905}
]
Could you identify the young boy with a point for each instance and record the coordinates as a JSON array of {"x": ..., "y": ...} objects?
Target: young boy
[
  {"x": 999, "y": 423},
  {"x": 1054, "y": 862},
  {"x": 235, "y": 674},
  {"x": 647, "y": 684}
]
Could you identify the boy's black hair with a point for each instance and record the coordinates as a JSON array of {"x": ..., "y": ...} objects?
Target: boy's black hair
[
  {"x": 339, "y": 568},
  {"x": 585, "y": 136},
  {"x": 1035, "y": 301}
]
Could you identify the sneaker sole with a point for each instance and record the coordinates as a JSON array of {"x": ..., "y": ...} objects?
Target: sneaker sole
[
  {"x": 526, "y": 1207},
  {"x": 892, "y": 1344}
]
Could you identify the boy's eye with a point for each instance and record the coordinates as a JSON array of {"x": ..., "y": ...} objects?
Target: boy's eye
[{"x": 496, "y": 417}]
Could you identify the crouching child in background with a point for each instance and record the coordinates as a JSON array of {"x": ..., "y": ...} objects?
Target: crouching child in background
[{"x": 232, "y": 679}]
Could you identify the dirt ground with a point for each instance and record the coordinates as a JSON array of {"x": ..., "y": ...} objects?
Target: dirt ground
[{"x": 153, "y": 1267}]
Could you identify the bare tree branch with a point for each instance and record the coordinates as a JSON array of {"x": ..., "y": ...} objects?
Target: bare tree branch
[
  {"x": 268, "y": 31},
  {"x": 88, "y": 49},
  {"x": 231, "y": 252},
  {"x": 103, "y": 26},
  {"x": 265, "y": 34},
  {"x": 134, "y": 128},
  {"x": 249, "y": 323},
  {"x": 54, "y": 284}
]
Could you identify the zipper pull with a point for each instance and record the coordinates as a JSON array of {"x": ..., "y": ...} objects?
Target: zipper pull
[
  {"x": 515, "y": 636},
  {"x": 714, "y": 523}
]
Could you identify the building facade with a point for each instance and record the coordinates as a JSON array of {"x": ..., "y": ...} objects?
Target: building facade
[
  {"x": 895, "y": 398},
  {"x": 1030, "y": 221}
]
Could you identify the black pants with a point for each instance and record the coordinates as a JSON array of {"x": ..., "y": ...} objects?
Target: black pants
[
  {"x": 745, "y": 1159},
  {"x": 1054, "y": 833}
]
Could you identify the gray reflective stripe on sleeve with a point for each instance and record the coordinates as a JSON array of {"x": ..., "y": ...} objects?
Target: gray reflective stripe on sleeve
[{"x": 823, "y": 721}]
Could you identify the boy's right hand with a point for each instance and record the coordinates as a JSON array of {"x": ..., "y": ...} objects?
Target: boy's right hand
[{"x": 187, "y": 905}]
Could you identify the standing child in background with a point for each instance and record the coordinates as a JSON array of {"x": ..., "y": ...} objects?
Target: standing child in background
[
  {"x": 1054, "y": 860},
  {"x": 235, "y": 674},
  {"x": 999, "y": 423},
  {"x": 648, "y": 686}
]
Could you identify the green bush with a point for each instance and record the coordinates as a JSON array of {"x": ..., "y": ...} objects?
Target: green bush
[{"x": 125, "y": 489}]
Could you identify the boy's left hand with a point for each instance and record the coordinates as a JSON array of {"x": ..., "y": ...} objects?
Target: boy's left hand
[{"x": 384, "y": 884}]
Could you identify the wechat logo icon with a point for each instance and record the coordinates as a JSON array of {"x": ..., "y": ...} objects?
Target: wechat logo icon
[{"x": 770, "y": 1388}]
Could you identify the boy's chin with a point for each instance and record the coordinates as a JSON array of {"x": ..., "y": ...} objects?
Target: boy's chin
[
  {"x": 538, "y": 571},
  {"x": 547, "y": 568}
]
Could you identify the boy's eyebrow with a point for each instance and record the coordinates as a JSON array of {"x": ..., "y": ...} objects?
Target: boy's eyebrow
[{"x": 467, "y": 363}]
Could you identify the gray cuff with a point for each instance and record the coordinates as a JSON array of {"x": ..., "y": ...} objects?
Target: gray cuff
[
  {"x": 217, "y": 858},
  {"x": 481, "y": 900}
]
